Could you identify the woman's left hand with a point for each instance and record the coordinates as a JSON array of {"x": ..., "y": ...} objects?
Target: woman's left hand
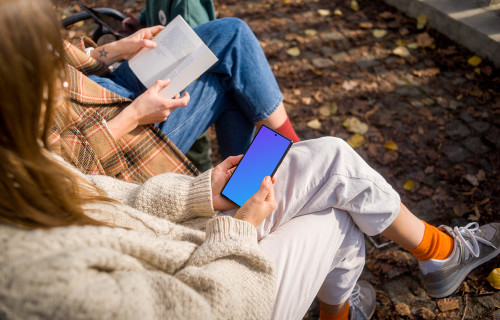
[
  {"x": 130, "y": 45},
  {"x": 220, "y": 176},
  {"x": 126, "y": 48}
]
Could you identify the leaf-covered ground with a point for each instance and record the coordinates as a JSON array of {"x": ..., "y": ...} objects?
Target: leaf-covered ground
[{"x": 421, "y": 109}]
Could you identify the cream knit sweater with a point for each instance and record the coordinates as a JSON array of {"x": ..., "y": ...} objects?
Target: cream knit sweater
[{"x": 162, "y": 268}]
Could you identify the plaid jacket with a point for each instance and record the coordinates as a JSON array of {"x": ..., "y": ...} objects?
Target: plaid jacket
[{"x": 80, "y": 135}]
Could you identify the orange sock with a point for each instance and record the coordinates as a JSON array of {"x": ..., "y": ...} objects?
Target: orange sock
[
  {"x": 342, "y": 315},
  {"x": 436, "y": 244}
]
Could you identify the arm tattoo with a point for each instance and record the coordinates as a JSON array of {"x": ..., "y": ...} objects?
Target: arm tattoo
[{"x": 103, "y": 53}]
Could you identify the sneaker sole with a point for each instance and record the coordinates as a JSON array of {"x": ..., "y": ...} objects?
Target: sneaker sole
[{"x": 447, "y": 287}]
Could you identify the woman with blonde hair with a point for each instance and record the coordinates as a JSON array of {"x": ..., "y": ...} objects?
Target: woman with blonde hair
[{"x": 94, "y": 247}]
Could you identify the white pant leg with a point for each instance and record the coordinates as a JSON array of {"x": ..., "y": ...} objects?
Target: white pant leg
[
  {"x": 327, "y": 173},
  {"x": 308, "y": 249}
]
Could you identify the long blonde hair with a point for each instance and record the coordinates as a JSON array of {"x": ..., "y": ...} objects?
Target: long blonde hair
[{"x": 36, "y": 191}]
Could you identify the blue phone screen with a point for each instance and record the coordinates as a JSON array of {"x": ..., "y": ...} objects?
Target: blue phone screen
[{"x": 261, "y": 159}]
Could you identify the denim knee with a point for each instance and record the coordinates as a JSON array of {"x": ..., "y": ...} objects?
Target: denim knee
[{"x": 235, "y": 26}]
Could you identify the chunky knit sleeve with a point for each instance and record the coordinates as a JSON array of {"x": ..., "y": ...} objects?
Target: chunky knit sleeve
[{"x": 172, "y": 196}]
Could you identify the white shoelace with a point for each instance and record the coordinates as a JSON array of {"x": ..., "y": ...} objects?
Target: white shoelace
[
  {"x": 469, "y": 231},
  {"x": 355, "y": 300}
]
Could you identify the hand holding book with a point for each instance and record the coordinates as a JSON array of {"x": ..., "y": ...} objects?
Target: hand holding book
[{"x": 180, "y": 55}]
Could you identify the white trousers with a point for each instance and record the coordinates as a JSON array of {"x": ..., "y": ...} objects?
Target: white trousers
[{"x": 327, "y": 197}]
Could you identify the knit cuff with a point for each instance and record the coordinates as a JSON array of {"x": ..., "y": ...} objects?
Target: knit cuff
[
  {"x": 228, "y": 228},
  {"x": 200, "y": 201}
]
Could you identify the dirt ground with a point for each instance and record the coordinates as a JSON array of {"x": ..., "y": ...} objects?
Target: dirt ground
[{"x": 418, "y": 107}]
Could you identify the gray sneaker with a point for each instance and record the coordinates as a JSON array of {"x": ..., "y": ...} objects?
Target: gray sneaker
[
  {"x": 474, "y": 246},
  {"x": 362, "y": 301}
]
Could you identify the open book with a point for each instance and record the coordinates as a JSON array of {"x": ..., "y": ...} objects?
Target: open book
[{"x": 180, "y": 55}]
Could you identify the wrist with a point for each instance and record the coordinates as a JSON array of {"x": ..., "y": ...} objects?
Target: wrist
[
  {"x": 246, "y": 219},
  {"x": 122, "y": 124}
]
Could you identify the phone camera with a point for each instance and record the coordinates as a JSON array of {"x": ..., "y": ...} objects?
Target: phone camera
[{"x": 275, "y": 134}]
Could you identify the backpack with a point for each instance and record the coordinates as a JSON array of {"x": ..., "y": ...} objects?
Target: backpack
[{"x": 195, "y": 12}]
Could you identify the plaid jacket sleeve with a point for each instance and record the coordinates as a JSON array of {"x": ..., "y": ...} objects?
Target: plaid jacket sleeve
[
  {"x": 84, "y": 140},
  {"x": 75, "y": 56}
]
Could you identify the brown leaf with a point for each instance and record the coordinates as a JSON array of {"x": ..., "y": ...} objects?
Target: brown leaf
[
  {"x": 386, "y": 15},
  {"x": 402, "y": 309},
  {"x": 460, "y": 209},
  {"x": 389, "y": 157},
  {"x": 424, "y": 40},
  {"x": 448, "y": 304},
  {"x": 366, "y": 25},
  {"x": 426, "y": 313}
]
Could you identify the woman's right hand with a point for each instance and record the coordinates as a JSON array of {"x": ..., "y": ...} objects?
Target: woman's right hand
[
  {"x": 149, "y": 107},
  {"x": 260, "y": 205}
]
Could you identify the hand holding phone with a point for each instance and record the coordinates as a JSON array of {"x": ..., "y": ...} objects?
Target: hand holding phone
[
  {"x": 260, "y": 205},
  {"x": 262, "y": 159}
]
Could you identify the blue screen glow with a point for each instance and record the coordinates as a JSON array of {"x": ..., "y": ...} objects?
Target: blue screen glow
[{"x": 260, "y": 160}]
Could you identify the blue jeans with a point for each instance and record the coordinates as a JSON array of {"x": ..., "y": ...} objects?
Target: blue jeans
[{"x": 236, "y": 92}]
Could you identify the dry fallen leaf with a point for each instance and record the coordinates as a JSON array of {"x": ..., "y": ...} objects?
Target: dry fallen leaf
[
  {"x": 356, "y": 140},
  {"x": 324, "y": 12},
  {"x": 409, "y": 185},
  {"x": 311, "y": 32},
  {"x": 391, "y": 145},
  {"x": 325, "y": 111},
  {"x": 474, "y": 61},
  {"x": 366, "y": 25},
  {"x": 314, "y": 124},
  {"x": 337, "y": 12},
  {"x": 472, "y": 179},
  {"x": 355, "y": 125},
  {"x": 379, "y": 33},
  {"x": 494, "y": 278},
  {"x": 400, "y": 43},
  {"x": 306, "y": 100},
  {"x": 421, "y": 21},
  {"x": 294, "y": 51},
  {"x": 354, "y": 5},
  {"x": 424, "y": 40},
  {"x": 401, "y": 51},
  {"x": 448, "y": 304},
  {"x": 348, "y": 85},
  {"x": 412, "y": 45},
  {"x": 403, "y": 309},
  {"x": 460, "y": 209}
]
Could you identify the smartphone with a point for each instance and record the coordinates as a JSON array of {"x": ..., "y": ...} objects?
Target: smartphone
[{"x": 262, "y": 159}]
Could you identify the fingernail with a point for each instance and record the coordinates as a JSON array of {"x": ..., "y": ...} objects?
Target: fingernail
[{"x": 267, "y": 179}]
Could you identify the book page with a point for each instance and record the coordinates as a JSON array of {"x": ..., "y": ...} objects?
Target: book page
[{"x": 180, "y": 55}]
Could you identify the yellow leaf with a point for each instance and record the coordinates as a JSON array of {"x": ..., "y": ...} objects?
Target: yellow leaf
[
  {"x": 311, "y": 32},
  {"x": 409, "y": 185},
  {"x": 324, "y": 12},
  {"x": 412, "y": 45},
  {"x": 294, "y": 51},
  {"x": 401, "y": 51},
  {"x": 354, "y": 5},
  {"x": 432, "y": 46},
  {"x": 325, "y": 111},
  {"x": 379, "y": 33},
  {"x": 400, "y": 43},
  {"x": 314, "y": 124},
  {"x": 337, "y": 12},
  {"x": 287, "y": 1},
  {"x": 354, "y": 125},
  {"x": 391, "y": 145},
  {"x": 421, "y": 21},
  {"x": 477, "y": 70},
  {"x": 474, "y": 61},
  {"x": 494, "y": 278},
  {"x": 356, "y": 140}
]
